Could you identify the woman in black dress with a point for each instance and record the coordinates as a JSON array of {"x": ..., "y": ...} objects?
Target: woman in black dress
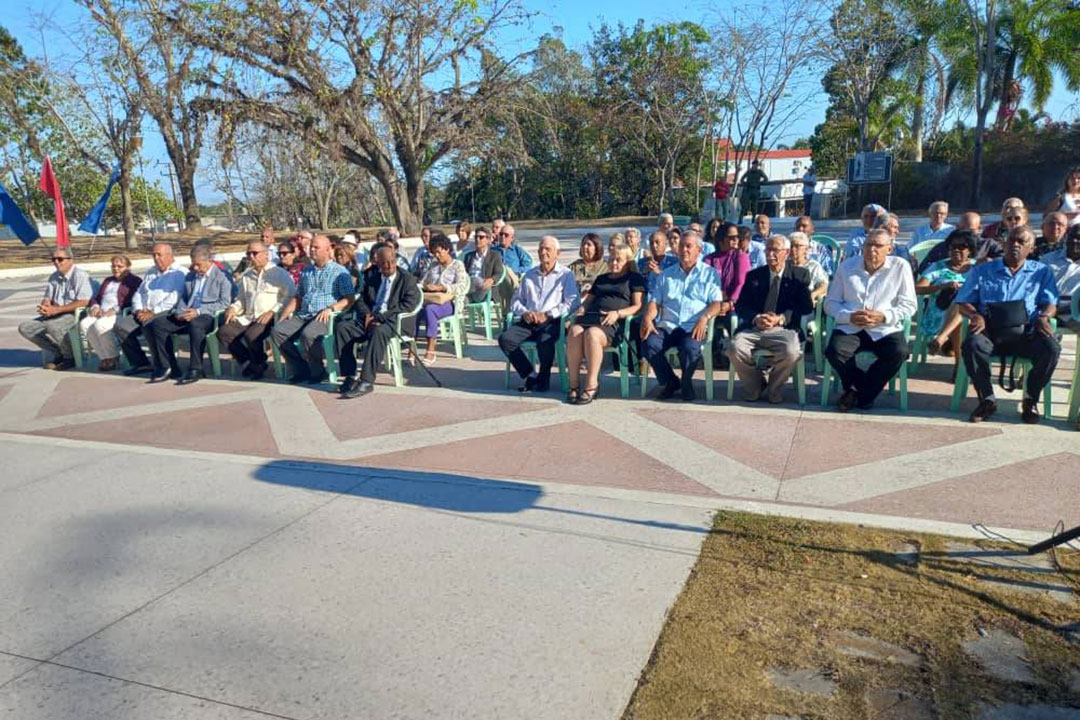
[{"x": 614, "y": 297}]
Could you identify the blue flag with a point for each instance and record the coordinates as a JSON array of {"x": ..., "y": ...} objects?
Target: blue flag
[
  {"x": 93, "y": 220},
  {"x": 13, "y": 217}
]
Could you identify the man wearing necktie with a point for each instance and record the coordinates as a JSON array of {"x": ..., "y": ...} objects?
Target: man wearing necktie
[
  {"x": 773, "y": 300},
  {"x": 387, "y": 292}
]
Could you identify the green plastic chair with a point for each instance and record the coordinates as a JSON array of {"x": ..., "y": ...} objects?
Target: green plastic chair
[
  {"x": 830, "y": 242},
  {"x": 919, "y": 251},
  {"x": 530, "y": 349},
  {"x": 960, "y": 389},
  {"x": 799, "y": 376},
  {"x": 279, "y": 368},
  {"x": 452, "y": 327},
  {"x": 622, "y": 351},
  {"x": 814, "y": 327},
  {"x": 706, "y": 357},
  {"x": 482, "y": 312},
  {"x": 78, "y": 352},
  {"x": 829, "y": 375},
  {"x": 1074, "y": 395},
  {"x": 394, "y": 361},
  {"x": 332, "y": 368},
  {"x": 920, "y": 349}
]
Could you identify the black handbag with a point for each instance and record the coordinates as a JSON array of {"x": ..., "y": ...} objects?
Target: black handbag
[
  {"x": 945, "y": 298},
  {"x": 1006, "y": 323}
]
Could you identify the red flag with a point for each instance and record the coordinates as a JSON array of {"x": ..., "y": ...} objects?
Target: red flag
[{"x": 51, "y": 187}]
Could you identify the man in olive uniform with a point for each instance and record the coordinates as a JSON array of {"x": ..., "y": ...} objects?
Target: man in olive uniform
[{"x": 751, "y": 196}]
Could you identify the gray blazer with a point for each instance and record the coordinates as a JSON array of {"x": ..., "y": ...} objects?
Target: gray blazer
[{"x": 216, "y": 296}]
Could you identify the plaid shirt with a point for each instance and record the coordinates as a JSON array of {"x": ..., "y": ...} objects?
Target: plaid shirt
[{"x": 321, "y": 288}]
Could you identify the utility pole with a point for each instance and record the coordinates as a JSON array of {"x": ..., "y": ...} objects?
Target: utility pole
[
  {"x": 137, "y": 144},
  {"x": 172, "y": 186}
]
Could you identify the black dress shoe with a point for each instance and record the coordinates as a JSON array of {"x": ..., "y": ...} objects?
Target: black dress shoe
[
  {"x": 983, "y": 411},
  {"x": 257, "y": 370},
  {"x": 847, "y": 401},
  {"x": 162, "y": 376},
  {"x": 361, "y": 388},
  {"x": 348, "y": 384},
  {"x": 247, "y": 371},
  {"x": 138, "y": 370},
  {"x": 665, "y": 392},
  {"x": 317, "y": 379},
  {"x": 1029, "y": 412},
  {"x": 531, "y": 385},
  {"x": 300, "y": 377},
  {"x": 192, "y": 376}
]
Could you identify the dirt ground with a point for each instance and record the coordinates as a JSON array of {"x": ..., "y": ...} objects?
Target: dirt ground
[
  {"x": 772, "y": 594},
  {"x": 14, "y": 254}
]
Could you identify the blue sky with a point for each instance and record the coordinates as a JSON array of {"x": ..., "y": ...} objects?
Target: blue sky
[{"x": 576, "y": 18}]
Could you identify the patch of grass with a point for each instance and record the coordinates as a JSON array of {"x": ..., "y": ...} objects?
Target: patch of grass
[{"x": 772, "y": 592}]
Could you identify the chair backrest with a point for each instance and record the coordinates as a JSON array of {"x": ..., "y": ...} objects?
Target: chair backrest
[
  {"x": 412, "y": 313},
  {"x": 919, "y": 251},
  {"x": 1074, "y": 307}
]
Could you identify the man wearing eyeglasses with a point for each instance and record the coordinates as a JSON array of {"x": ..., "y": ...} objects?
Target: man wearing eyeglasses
[
  {"x": 66, "y": 290},
  {"x": 870, "y": 298},
  {"x": 516, "y": 261},
  {"x": 264, "y": 288}
]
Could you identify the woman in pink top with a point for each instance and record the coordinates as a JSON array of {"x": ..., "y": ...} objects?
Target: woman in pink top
[{"x": 731, "y": 264}]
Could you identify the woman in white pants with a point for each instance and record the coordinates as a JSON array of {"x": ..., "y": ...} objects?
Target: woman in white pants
[{"x": 114, "y": 296}]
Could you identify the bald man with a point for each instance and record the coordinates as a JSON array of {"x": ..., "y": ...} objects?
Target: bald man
[{"x": 548, "y": 293}]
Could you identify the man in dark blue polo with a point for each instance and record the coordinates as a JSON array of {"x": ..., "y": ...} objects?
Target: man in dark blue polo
[{"x": 1008, "y": 279}]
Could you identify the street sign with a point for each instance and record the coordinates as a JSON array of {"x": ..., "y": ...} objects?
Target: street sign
[{"x": 869, "y": 169}]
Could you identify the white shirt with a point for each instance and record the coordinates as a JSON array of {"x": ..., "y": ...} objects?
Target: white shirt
[
  {"x": 109, "y": 297},
  {"x": 160, "y": 291},
  {"x": 890, "y": 290},
  {"x": 924, "y": 232},
  {"x": 1066, "y": 272},
  {"x": 555, "y": 293}
]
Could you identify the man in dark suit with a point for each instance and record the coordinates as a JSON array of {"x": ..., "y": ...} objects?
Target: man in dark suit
[
  {"x": 207, "y": 291},
  {"x": 484, "y": 266},
  {"x": 387, "y": 292},
  {"x": 773, "y": 300}
]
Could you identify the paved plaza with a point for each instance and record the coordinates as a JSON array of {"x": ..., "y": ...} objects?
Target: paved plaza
[{"x": 241, "y": 550}]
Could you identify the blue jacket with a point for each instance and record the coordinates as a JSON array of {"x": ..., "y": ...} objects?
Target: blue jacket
[{"x": 515, "y": 257}]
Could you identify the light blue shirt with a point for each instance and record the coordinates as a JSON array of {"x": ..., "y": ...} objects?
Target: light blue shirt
[
  {"x": 197, "y": 291},
  {"x": 160, "y": 291},
  {"x": 757, "y": 254},
  {"x": 924, "y": 233},
  {"x": 682, "y": 296},
  {"x": 651, "y": 279},
  {"x": 992, "y": 282}
]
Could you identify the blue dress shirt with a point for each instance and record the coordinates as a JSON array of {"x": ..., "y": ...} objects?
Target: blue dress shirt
[
  {"x": 992, "y": 282},
  {"x": 683, "y": 296}
]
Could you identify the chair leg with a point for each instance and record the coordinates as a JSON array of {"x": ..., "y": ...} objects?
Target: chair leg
[
  {"x": 826, "y": 384},
  {"x": 487, "y": 320},
  {"x": 458, "y": 329},
  {"x": 710, "y": 390},
  {"x": 800, "y": 380},
  {"x": 903, "y": 387},
  {"x": 279, "y": 371},
  {"x": 331, "y": 358},
  {"x": 731, "y": 382},
  {"x": 213, "y": 349},
  {"x": 75, "y": 338},
  {"x": 960, "y": 388}
]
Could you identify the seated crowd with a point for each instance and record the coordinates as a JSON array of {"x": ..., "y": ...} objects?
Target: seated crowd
[{"x": 750, "y": 292}]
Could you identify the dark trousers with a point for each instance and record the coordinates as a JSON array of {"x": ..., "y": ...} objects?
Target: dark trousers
[
  {"x": 161, "y": 331},
  {"x": 657, "y": 344},
  {"x": 545, "y": 335},
  {"x": 890, "y": 352},
  {"x": 245, "y": 342},
  {"x": 978, "y": 351},
  {"x": 349, "y": 333},
  {"x": 310, "y": 334},
  {"x": 128, "y": 329}
]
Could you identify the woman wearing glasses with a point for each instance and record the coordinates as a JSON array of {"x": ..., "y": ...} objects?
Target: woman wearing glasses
[{"x": 112, "y": 298}]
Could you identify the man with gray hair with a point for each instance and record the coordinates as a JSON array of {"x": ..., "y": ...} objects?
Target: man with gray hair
[
  {"x": 547, "y": 294},
  {"x": 66, "y": 290},
  {"x": 870, "y": 297},
  {"x": 682, "y": 301},
  {"x": 665, "y": 222},
  {"x": 771, "y": 305},
  {"x": 157, "y": 296},
  {"x": 937, "y": 228},
  {"x": 207, "y": 291}
]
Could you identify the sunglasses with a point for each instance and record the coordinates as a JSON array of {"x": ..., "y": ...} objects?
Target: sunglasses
[
  {"x": 506, "y": 234},
  {"x": 60, "y": 259}
]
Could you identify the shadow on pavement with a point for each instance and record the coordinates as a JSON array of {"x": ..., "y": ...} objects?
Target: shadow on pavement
[{"x": 438, "y": 491}]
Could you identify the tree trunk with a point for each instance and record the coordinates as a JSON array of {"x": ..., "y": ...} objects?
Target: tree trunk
[
  {"x": 185, "y": 177},
  {"x": 977, "y": 159},
  {"x": 920, "y": 105},
  {"x": 131, "y": 240}
]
